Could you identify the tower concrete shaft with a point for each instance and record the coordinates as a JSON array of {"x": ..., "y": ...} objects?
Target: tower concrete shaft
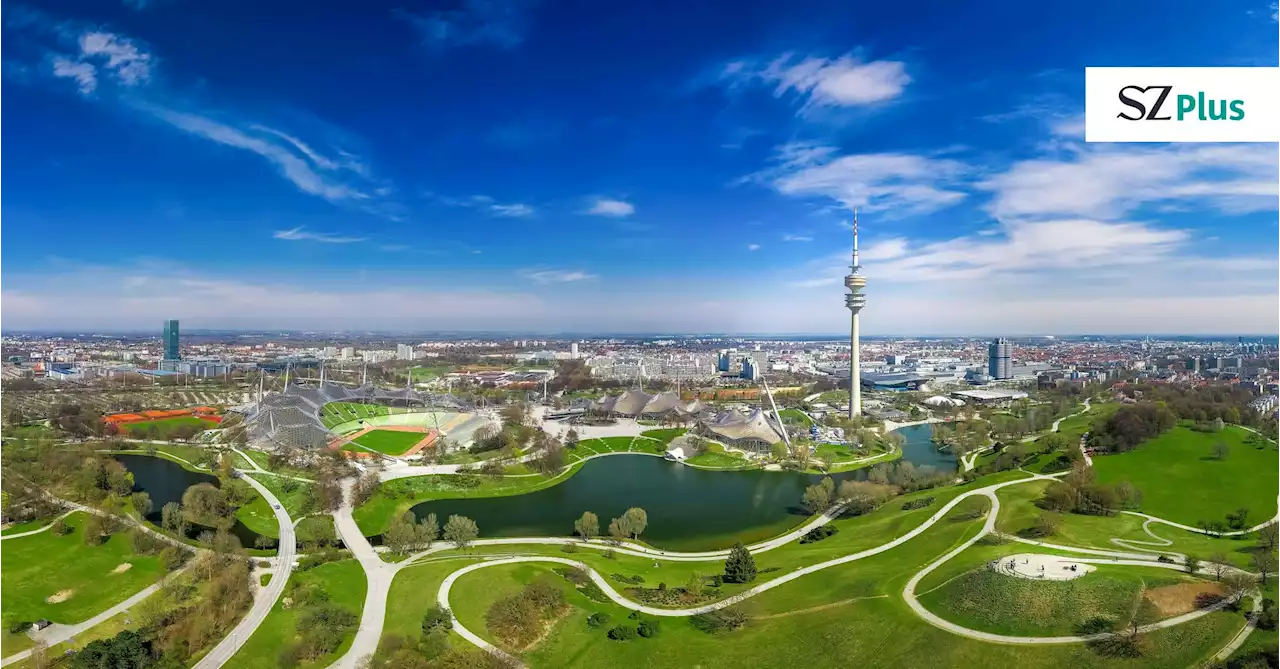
[{"x": 855, "y": 300}]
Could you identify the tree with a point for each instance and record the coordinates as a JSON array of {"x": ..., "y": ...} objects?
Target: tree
[
  {"x": 142, "y": 504},
  {"x": 1265, "y": 563},
  {"x": 588, "y": 526},
  {"x": 172, "y": 519},
  {"x": 399, "y": 535},
  {"x": 817, "y": 497},
  {"x": 460, "y": 530},
  {"x": 1219, "y": 564},
  {"x": 779, "y": 451},
  {"x": 571, "y": 438},
  {"x": 1237, "y": 519},
  {"x": 1269, "y": 537},
  {"x": 617, "y": 529},
  {"x": 1217, "y": 425},
  {"x": 1221, "y": 450},
  {"x": 1046, "y": 525},
  {"x": 694, "y": 586},
  {"x": 636, "y": 520},
  {"x": 740, "y": 566},
  {"x": 437, "y": 617},
  {"x": 1237, "y": 584},
  {"x": 1193, "y": 563},
  {"x": 95, "y": 530},
  {"x": 426, "y": 532}
]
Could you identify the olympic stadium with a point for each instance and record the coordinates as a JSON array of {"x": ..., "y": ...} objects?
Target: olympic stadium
[
  {"x": 305, "y": 417},
  {"x": 756, "y": 430}
]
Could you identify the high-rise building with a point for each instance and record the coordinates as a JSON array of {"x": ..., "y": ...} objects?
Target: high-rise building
[
  {"x": 1193, "y": 364},
  {"x": 331, "y": 351},
  {"x": 404, "y": 352},
  {"x": 722, "y": 361},
  {"x": 999, "y": 359},
  {"x": 855, "y": 301},
  {"x": 573, "y": 350},
  {"x": 171, "y": 349},
  {"x": 750, "y": 371},
  {"x": 760, "y": 359},
  {"x": 348, "y": 352}
]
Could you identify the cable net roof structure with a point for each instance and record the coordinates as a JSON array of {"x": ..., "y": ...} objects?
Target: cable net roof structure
[
  {"x": 291, "y": 418},
  {"x": 633, "y": 403}
]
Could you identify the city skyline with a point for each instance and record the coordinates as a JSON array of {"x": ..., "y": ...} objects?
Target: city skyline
[{"x": 463, "y": 170}]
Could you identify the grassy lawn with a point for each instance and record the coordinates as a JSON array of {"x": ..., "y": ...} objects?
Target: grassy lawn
[
  {"x": 390, "y": 442},
  {"x": 795, "y": 416},
  {"x": 1018, "y": 512},
  {"x": 167, "y": 423},
  {"x": 1181, "y": 481},
  {"x": 345, "y": 585},
  {"x": 393, "y": 498},
  {"x": 26, "y": 527},
  {"x": 664, "y": 435},
  {"x": 985, "y": 600},
  {"x": 44, "y": 565},
  {"x": 607, "y": 444},
  {"x": 258, "y": 516},
  {"x": 840, "y": 452},
  {"x": 647, "y": 445},
  {"x": 849, "y": 615},
  {"x": 291, "y": 493},
  {"x": 716, "y": 456}
]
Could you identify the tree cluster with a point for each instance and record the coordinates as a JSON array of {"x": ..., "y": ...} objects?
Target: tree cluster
[
  {"x": 1079, "y": 492},
  {"x": 321, "y": 624},
  {"x": 629, "y": 525},
  {"x": 519, "y": 619},
  {"x": 407, "y": 534},
  {"x": 1131, "y": 425}
]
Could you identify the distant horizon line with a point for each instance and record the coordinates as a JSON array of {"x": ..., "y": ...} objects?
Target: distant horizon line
[{"x": 515, "y": 334}]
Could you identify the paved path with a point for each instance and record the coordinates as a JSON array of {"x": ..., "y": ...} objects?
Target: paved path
[
  {"x": 378, "y": 575},
  {"x": 43, "y": 529},
  {"x": 266, "y": 599},
  {"x": 1251, "y": 623}
]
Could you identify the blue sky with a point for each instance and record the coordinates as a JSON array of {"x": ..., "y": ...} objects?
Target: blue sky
[{"x": 614, "y": 166}]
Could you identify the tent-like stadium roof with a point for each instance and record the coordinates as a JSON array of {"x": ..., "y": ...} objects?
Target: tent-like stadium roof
[
  {"x": 291, "y": 418},
  {"x": 637, "y": 402},
  {"x": 736, "y": 425}
]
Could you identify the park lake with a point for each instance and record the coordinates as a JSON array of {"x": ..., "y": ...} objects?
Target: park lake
[
  {"x": 165, "y": 481},
  {"x": 689, "y": 509}
]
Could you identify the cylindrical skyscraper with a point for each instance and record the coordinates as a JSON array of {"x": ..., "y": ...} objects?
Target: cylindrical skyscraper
[{"x": 855, "y": 301}]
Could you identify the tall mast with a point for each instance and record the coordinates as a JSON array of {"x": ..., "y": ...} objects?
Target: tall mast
[{"x": 854, "y": 301}]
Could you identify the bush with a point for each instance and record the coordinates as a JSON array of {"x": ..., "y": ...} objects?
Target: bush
[
  {"x": 60, "y": 528},
  {"x": 917, "y": 503},
  {"x": 313, "y": 560},
  {"x": 599, "y": 619},
  {"x": 437, "y": 617},
  {"x": 629, "y": 580},
  {"x": 1267, "y": 616},
  {"x": 622, "y": 633},
  {"x": 144, "y": 543},
  {"x": 173, "y": 558},
  {"x": 818, "y": 534},
  {"x": 290, "y": 656},
  {"x": 722, "y": 620},
  {"x": 648, "y": 628}
]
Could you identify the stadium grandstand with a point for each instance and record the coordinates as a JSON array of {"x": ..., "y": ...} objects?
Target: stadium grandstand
[{"x": 295, "y": 417}]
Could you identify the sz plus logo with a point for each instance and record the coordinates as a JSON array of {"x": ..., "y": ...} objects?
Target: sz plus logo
[
  {"x": 1188, "y": 106},
  {"x": 1182, "y": 104}
]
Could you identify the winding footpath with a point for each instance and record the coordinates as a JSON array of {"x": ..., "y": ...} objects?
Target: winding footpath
[{"x": 266, "y": 599}]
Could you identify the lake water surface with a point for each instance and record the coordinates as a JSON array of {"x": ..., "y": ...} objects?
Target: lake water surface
[{"x": 689, "y": 509}]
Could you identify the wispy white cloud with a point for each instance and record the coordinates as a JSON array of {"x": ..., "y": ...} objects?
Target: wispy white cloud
[
  {"x": 129, "y": 63},
  {"x": 546, "y": 276},
  {"x": 1110, "y": 182},
  {"x": 500, "y": 23},
  {"x": 753, "y": 247},
  {"x": 300, "y": 234},
  {"x": 902, "y": 183},
  {"x": 610, "y": 207},
  {"x": 85, "y": 74},
  {"x": 512, "y": 210},
  {"x": 824, "y": 82},
  {"x": 293, "y": 164},
  {"x": 797, "y": 238},
  {"x": 488, "y": 205}
]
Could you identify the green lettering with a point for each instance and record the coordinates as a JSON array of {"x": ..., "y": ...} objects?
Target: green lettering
[
  {"x": 1186, "y": 104},
  {"x": 1237, "y": 110},
  {"x": 1200, "y": 95}
]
